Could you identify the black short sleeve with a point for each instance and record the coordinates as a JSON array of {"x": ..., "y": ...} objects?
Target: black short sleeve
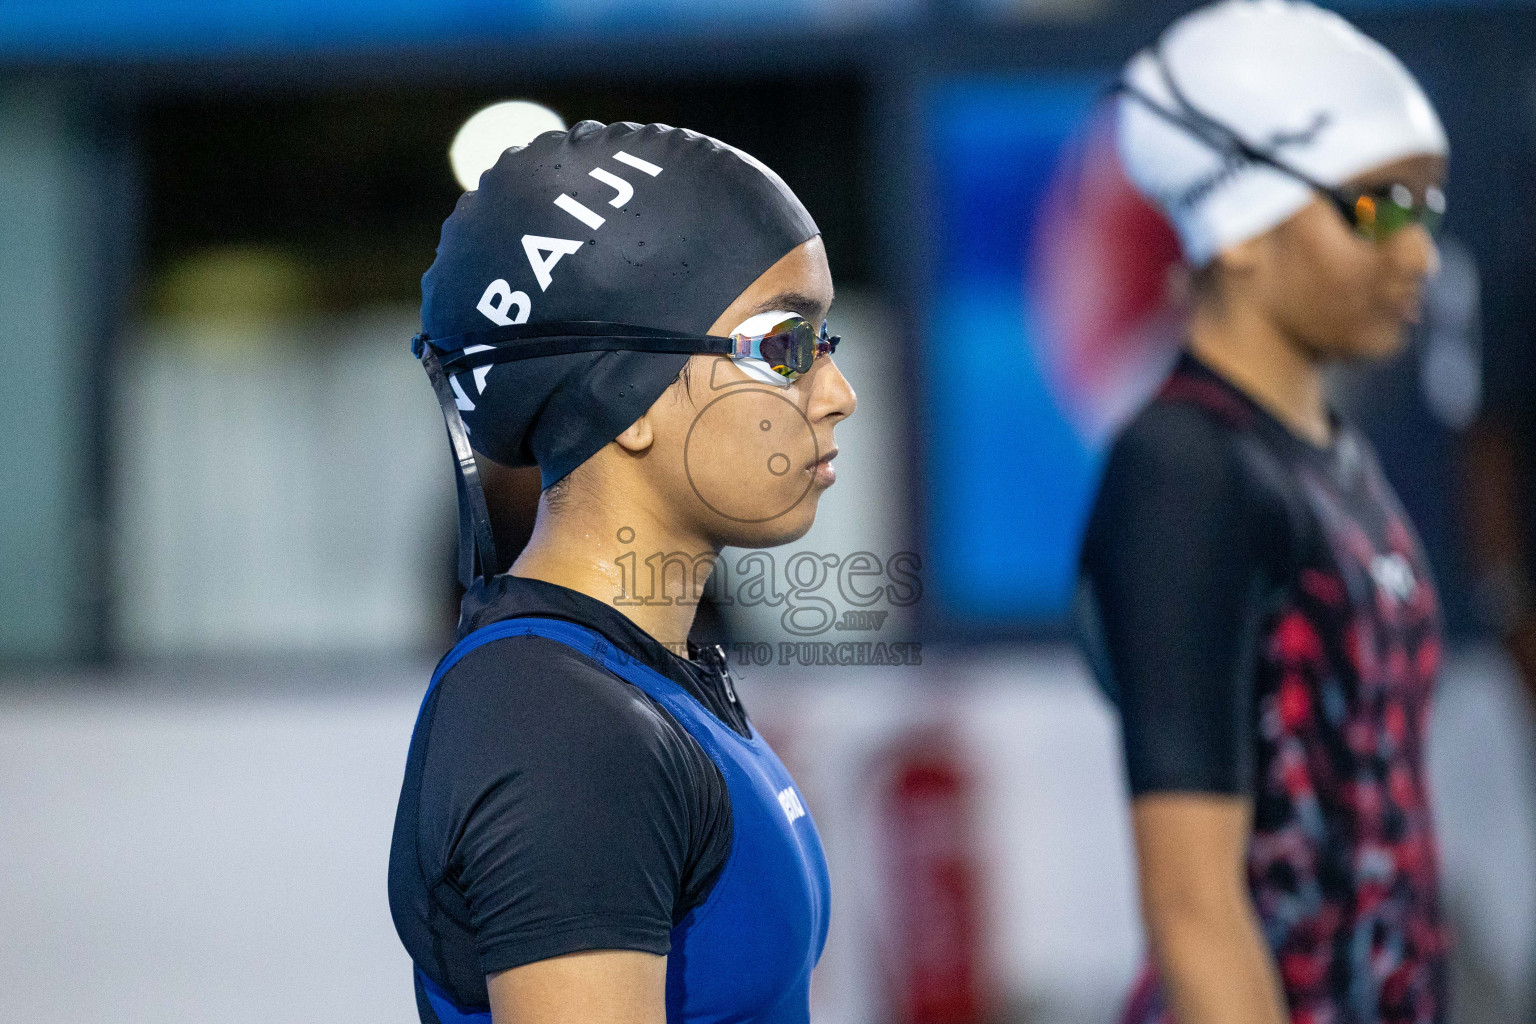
[
  {"x": 1172, "y": 586},
  {"x": 566, "y": 808}
]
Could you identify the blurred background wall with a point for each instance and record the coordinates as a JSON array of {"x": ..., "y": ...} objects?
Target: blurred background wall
[{"x": 226, "y": 520}]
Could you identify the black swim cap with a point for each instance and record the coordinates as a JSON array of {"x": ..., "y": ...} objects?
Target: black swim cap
[{"x": 653, "y": 226}]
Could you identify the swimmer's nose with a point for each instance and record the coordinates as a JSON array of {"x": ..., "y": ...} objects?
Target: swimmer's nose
[{"x": 832, "y": 397}]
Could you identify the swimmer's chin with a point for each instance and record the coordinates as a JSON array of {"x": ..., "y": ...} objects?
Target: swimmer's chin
[{"x": 785, "y": 529}]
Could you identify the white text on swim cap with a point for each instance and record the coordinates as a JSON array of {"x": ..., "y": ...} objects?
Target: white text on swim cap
[
  {"x": 533, "y": 245},
  {"x": 625, "y": 190},
  {"x": 638, "y": 164},
  {"x": 544, "y": 252},
  {"x": 580, "y": 212},
  {"x": 498, "y": 297},
  {"x": 463, "y": 401}
]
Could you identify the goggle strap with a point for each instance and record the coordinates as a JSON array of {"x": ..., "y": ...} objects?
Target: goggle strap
[
  {"x": 517, "y": 342},
  {"x": 554, "y": 328},
  {"x": 477, "y": 544},
  {"x": 1222, "y": 138},
  {"x": 496, "y": 345}
]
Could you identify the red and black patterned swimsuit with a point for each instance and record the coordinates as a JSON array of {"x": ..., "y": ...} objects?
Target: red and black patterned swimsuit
[{"x": 1262, "y": 614}]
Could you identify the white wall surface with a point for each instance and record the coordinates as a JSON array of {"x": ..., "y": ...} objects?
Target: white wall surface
[{"x": 283, "y": 490}]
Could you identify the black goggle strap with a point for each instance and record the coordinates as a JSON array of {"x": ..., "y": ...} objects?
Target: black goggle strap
[
  {"x": 514, "y": 343},
  {"x": 477, "y": 545},
  {"x": 1222, "y": 138},
  {"x": 495, "y": 345}
]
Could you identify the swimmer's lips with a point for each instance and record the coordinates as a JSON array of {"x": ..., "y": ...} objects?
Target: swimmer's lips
[{"x": 823, "y": 469}]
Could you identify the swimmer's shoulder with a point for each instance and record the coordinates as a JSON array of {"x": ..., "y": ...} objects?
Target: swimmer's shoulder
[
  {"x": 531, "y": 697},
  {"x": 1197, "y": 463},
  {"x": 1177, "y": 439}
]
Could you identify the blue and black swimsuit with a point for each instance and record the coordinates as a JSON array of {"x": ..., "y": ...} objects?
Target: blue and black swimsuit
[{"x": 573, "y": 785}]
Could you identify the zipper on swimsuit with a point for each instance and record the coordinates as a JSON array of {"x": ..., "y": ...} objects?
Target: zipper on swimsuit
[
  {"x": 725, "y": 675},
  {"x": 713, "y": 657}
]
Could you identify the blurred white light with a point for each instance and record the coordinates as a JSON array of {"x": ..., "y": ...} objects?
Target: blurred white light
[{"x": 494, "y": 130}]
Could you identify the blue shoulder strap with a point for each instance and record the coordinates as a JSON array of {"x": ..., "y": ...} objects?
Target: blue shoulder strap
[{"x": 583, "y": 640}]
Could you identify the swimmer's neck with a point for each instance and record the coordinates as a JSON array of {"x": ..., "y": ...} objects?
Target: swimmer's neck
[
  {"x": 1259, "y": 358},
  {"x": 614, "y": 552}
]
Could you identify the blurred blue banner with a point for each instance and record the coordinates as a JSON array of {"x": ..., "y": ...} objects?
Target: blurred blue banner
[
  {"x": 1008, "y": 477},
  {"x": 49, "y": 29}
]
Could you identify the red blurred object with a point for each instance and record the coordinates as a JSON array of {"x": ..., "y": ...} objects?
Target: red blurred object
[
  {"x": 938, "y": 974},
  {"x": 1101, "y": 262}
]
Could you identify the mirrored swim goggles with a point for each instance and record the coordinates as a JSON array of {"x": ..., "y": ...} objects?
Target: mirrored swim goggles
[
  {"x": 1373, "y": 214},
  {"x": 776, "y": 347},
  {"x": 1381, "y": 212}
]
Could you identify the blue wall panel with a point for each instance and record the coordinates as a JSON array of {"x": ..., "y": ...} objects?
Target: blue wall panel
[{"x": 1008, "y": 479}]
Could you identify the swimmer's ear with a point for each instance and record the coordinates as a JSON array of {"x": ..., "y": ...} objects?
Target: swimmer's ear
[{"x": 638, "y": 436}]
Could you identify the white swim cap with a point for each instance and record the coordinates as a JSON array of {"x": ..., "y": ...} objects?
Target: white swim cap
[{"x": 1290, "y": 80}]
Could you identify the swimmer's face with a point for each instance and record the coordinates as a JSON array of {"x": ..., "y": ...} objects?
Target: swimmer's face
[
  {"x": 1341, "y": 296},
  {"x": 748, "y": 461}
]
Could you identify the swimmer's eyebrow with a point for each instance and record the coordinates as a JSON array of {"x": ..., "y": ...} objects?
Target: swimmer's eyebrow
[{"x": 793, "y": 302}]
